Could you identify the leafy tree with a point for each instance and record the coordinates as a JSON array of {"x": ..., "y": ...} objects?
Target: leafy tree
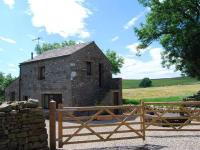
[
  {"x": 146, "y": 82},
  {"x": 116, "y": 61},
  {"x": 176, "y": 25},
  {"x": 5, "y": 80},
  {"x": 50, "y": 46}
]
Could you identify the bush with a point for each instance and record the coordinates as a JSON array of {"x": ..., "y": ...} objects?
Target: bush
[
  {"x": 131, "y": 101},
  {"x": 146, "y": 82}
]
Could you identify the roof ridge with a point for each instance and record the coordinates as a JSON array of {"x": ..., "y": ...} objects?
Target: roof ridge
[
  {"x": 70, "y": 46},
  {"x": 64, "y": 51}
]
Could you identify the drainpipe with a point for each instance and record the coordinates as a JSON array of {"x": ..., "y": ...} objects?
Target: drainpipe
[{"x": 19, "y": 82}]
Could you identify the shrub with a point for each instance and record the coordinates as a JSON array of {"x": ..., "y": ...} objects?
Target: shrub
[
  {"x": 131, "y": 101},
  {"x": 146, "y": 82}
]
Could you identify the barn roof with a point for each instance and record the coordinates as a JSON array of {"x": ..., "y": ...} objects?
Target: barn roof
[{"x": 59, "y": 52}]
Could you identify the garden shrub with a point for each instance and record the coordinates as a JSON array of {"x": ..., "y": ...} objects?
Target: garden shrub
[{"x": 146, "y": 82}]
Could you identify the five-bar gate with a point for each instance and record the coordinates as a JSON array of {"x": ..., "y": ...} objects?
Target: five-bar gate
[{"x": 108, "y": 123}]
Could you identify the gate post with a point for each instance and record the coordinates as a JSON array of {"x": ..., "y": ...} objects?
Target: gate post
[
  {"x": 60, "y": 126},
  {"x": 52, "y": 124},
  {"x": 142, "y": 118}
]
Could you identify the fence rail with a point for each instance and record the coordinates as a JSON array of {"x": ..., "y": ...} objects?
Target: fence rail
[
  {"x": 82, "y": 125},
  {"x": 175, "y": 115}
]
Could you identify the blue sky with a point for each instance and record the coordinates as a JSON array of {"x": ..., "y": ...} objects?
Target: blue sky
[{"x": 109, "y": 23}]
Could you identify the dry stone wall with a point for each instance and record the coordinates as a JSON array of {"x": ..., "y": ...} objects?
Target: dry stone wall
[{"x": 22, "y": 126}]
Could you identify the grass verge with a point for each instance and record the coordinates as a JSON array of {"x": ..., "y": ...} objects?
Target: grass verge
[{"x": 160, "y": 99}]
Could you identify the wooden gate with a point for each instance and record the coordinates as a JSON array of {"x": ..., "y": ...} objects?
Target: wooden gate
[
  {"x": 84, "y": 124},
  {"x": 95, "y": 124},
  {"x": 174, "y": 115}
]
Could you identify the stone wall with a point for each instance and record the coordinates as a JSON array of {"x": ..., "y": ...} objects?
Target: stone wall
[
  {"x": 85, "y": 88},
  {"x": 14, "y": 87},
  {"x": 22, "y": 126},
  {"x": 57, "y": 79}
]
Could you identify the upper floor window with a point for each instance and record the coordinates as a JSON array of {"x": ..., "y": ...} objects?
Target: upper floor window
[
  {"x": 89, "y": 68},
  {"x": 41, "y": 73}
]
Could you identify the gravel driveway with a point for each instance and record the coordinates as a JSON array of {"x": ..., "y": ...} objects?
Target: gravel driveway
[{"x": 155, "y": 140}]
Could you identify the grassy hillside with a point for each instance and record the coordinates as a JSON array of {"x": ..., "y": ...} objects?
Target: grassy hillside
[
  {"x": 130, "y": 84},
  {"x": 157, "y": 92}
]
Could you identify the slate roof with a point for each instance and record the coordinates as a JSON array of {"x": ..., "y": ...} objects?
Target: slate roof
[{"x": 59, "y": 52}]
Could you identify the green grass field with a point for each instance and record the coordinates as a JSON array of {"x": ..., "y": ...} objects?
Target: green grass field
[
  {"x": 130, "y": 84},
  {"x": 159, "y": 94}
]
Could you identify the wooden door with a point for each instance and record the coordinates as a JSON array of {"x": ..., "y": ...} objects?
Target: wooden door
[{"x": 116, "y": 101}]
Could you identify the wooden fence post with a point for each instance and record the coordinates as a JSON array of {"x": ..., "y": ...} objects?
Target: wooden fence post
[
  {"x": 52, "y": 125},
  {"x": 60, "y": 126},
  {"x": 143, "y": 118}
]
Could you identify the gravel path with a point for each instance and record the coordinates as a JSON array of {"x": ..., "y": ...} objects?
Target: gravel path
[{"x": 155, "y": 140}]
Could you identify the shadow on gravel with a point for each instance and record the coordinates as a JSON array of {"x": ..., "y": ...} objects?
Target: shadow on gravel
[
  {"x": 174, "y": 136},
  {"x": 142, "y": 147}
]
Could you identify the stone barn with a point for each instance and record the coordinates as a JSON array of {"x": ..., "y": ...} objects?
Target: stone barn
[{"x": 78, "y": 75}]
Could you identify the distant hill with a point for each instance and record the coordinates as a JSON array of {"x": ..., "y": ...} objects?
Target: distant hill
[{"x": 130, "y": 84}]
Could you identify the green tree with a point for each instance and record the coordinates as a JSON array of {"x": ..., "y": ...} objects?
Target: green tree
[
  {"x": 116, "y": 61},
  {"x": 146, "y": 82},
  {"x": 50, "y": 46},
  {"x": 176, "y": 25},
  {"x": 5, "y": 80}
]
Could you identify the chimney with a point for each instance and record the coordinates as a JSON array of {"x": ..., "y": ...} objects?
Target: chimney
[{"x": 31, "y": 55}]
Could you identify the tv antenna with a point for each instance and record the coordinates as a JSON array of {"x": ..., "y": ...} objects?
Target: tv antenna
[{"x": 37, "y": 39}]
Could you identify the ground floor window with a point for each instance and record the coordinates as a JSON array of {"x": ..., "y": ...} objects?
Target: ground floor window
[
  {"x": 12, "y": 96},
  {"x": 46, "y": 98},
  {"x": 25, "y": 98}
]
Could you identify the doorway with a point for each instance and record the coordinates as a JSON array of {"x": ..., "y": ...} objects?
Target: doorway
[
  {"x": 116, "y": 101},
  {"x": 48, "y": 97}
]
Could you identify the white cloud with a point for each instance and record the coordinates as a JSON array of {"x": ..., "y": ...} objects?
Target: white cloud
[
  {"x": 137, "y": 69},
  {"x": 133, "y": 21},
  {"x": 10, "y": 3},
  {"x": 115, "y": 38},
  {"x": 133, "y": 48},
  {"x": 63, "y": 17},
  {"x": 8, "y": 40}
]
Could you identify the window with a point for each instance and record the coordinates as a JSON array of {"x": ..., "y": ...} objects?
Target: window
[
  {"x": 12, "y": 96},
  {"x": 89, "y": 68},
  {"x": 41, "y": 73},
  {"x": 48, "y": 97},
  {"x": 25, "y": 98}
]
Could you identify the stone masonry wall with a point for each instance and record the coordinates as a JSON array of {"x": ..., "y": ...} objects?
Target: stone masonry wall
[
  {"x": 22, "y": 126},
  {"x": 57, "y": 79},
  {"x": 14, "y": 87},
  {"x": 85, "y": 88}
]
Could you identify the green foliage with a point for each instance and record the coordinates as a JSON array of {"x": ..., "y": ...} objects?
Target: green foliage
[
  {"x": 130, "y": 84},
  {"x": 5, "y": 80},
  {"x": 131, "y": 101},
  {"x": 146, "y": 82},
  {"x": 116, "y": 61},
  {"x": 50, "y": 46},
  {"x": 176, "y": 25}
]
